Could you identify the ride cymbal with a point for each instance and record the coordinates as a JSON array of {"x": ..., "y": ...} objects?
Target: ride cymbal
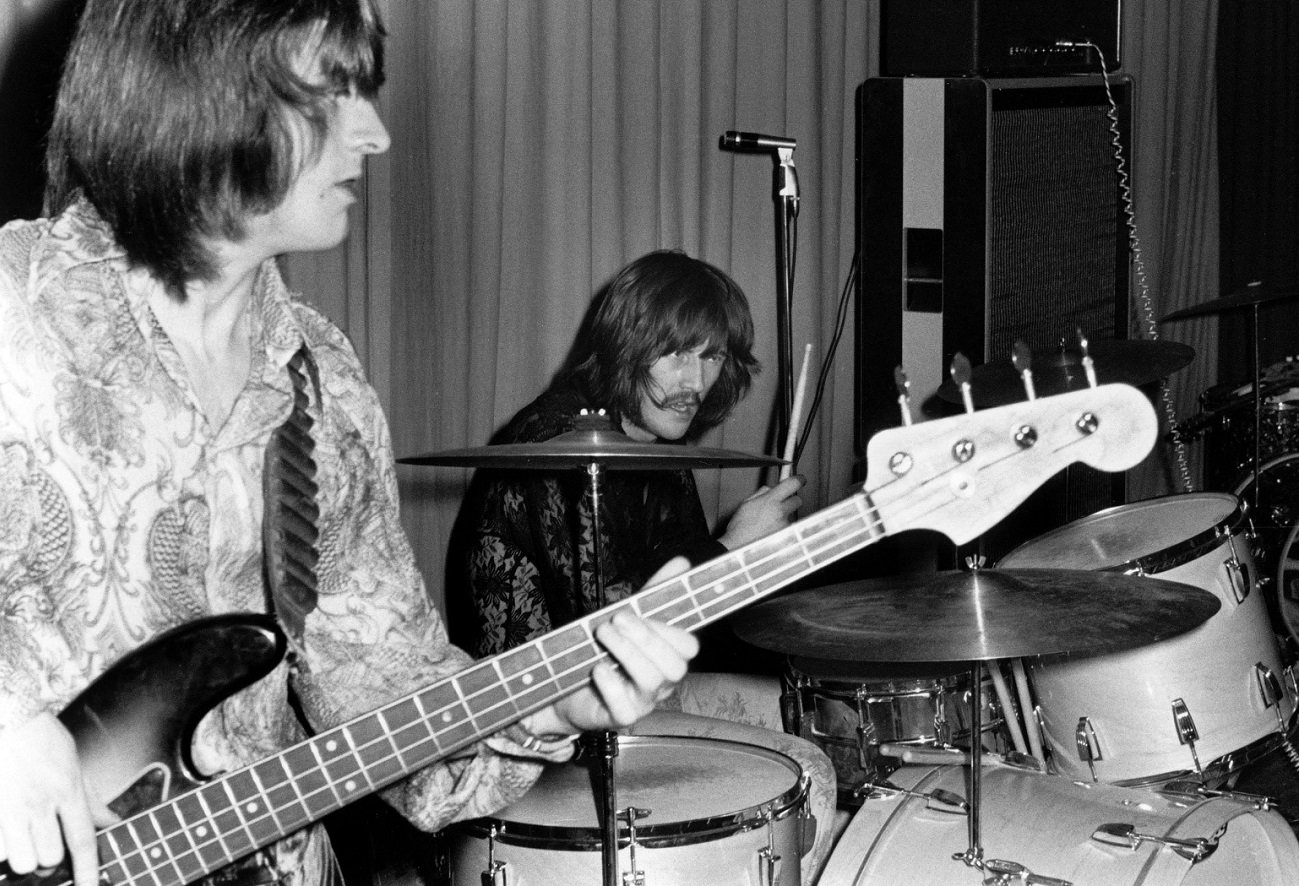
[
  {"x": 976, "y": 616},
  {"x": 611, "y": 450},
  {"x": 1256, "y": 293}
]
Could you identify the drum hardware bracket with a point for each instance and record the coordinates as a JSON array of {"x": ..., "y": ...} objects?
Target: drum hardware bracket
[
  {"x": 1270, "y": 688},
  {"x": 806, "y": 818},
  {"x": 1007, "y": 872},
  {"x": 1089, "y": 748},
  {"x": 1195, "y": 792},
  {"x": 768, "y": 860},
  {"x": 946, "y": 800},
  {"x": 1187, "y": 734},
  {"x": 495, "y": 873},
  {"x": 629, "y": 814},
  {"x": 1237, "y": 573},
  {"x": 1192, "y": 849},
  {"x": 1022, "y": 761}
]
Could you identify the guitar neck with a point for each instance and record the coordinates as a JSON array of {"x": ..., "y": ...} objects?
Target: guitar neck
[{"x": 205, "y": 829}]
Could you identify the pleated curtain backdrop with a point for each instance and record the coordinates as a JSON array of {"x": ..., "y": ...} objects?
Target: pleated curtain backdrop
[{"x": 538, "y": 145}]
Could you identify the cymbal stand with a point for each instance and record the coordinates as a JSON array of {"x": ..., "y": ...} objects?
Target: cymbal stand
[
  {"x": 603, "y": 744},
  {"x": 973, "y": 855},
  {"x": 1258, "y": 412}
]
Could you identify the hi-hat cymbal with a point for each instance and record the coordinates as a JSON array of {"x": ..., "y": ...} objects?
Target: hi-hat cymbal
[
  {"x": 976, "y": 616},
  {"x": 611, "y": 450},
  {"x": 1256, "y": 293},
  {"x": 1058, "y": 371}
]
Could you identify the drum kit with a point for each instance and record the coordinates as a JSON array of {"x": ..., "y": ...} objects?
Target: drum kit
[{"x": 1145, "y": 675}]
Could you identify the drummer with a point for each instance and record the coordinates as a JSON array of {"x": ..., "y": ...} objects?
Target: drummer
[{"x": 667, "y": 355}]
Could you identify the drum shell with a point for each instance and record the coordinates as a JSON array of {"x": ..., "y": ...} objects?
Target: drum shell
[
  {"x": 1045, "y": 823},
  {"x": 1128, "y": 696},
  {"x": 1229, "y": 450},
  {"x": 714, "y": 806},
  {"x": 896, "y": 703}
]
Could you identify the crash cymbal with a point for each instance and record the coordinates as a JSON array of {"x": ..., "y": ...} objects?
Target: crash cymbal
[
  {"x": 1256, "y": 293},
  {"x": 976, "y": 616},
  {"x": 612, "y": 450},
  {"x": 1060, "y": 370}
]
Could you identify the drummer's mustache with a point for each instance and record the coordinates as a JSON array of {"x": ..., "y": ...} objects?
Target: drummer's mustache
[{"x": 682, "y": 398}]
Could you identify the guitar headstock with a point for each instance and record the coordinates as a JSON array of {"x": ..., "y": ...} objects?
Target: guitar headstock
[{"x": 962, "y": 475}]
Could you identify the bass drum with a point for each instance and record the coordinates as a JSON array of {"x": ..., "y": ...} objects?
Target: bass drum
[
  {"x": 1047, "y": 825},
  {"x": 708, "y": 811}
]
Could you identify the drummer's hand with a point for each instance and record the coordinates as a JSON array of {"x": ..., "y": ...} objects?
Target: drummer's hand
[
  {"x": 44, "y": 801},
  {"x": 651, "y": 657},
  {"x": 764, "y": 512}
]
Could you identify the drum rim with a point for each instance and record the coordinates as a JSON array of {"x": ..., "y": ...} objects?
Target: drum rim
[
  {"x": 880, "y": 690},
  {"x": 578, "y": 838},
  {"x": 1155, "y": 562}
]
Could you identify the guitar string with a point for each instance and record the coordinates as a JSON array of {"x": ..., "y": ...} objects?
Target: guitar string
[{"x": 861, "y": 511}]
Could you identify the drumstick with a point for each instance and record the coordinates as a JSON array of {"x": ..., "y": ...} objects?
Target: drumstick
[
  {"x": 1003, "y": 695},
  {"x": 796, "y": 416},
  {"x": 1026, "y": 707}
]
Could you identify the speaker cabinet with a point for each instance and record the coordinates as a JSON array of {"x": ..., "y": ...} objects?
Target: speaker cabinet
[{"x": 988, "y": 212}]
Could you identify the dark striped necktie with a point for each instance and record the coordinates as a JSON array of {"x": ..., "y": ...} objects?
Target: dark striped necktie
[{"x": 290, "y": 511}]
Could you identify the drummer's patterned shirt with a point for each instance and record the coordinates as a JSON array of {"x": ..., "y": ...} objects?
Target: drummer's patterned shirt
[
  {"x": 525, "y": 539},
  {"x": 124, "y": 513}
]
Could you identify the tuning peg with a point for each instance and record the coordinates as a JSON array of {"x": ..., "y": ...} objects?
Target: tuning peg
[
  {"x": 904, "y": 394},
  {"x": 1089, "y": 366},
  {"x": 1022, "y": 359},
  {"x": 961, "y": 377}
]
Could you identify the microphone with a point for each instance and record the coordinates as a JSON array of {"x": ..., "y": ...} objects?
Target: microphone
[{"x": 752, "y": 141}]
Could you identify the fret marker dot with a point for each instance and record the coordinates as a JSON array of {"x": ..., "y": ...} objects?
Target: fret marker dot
[
  {"x": 331, "y": 745},
  {"x": 155, "y": 852},
  {"x": 251, "y": 807},
  {"x": 446, "y": 717},
  {"x": 527, "y": 679},
  {"x": 350, "y": 784},
  {"x": 201, "y": 830}
]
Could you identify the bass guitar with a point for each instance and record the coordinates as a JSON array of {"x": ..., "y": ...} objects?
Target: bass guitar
[{"x": 958, "y": 476}]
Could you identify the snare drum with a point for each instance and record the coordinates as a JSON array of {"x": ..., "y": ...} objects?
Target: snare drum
[
  {"x": 850, "y": 710},
  {"x": 707, "y": 811},
  {"x": 1149, "y": 714},
  {"x": 1047, "y": 825}
]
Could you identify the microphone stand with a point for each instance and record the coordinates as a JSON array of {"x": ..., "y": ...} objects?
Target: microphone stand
[{"x": 785, "y": 193}]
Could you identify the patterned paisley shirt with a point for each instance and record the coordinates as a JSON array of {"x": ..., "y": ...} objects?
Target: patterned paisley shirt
[
  {"x": 528, "y": 553},
  {"x": 123, "y": 513}
]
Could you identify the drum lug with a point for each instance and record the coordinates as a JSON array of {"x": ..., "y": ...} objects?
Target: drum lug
[
  {"x": 495, "y": 874},
  {"x": 768, "y": 860},
  {"x": 1271, "y": 690},
  {"x": 1089, "y": 748},
  {"x": 1238, "y": 576},
  {"x": 865, "y": 730},
  {"x": 1187, "y": 734},
  {"x": 633, "y": 877},
  {"x": 806, "y": 818},
  {"x": 1193, "y": 849}
]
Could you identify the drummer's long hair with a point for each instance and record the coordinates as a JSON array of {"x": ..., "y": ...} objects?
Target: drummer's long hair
[{"x": 659, "y": 304}]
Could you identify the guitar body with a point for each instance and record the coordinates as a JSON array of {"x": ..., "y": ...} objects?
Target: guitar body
[{"x": 134, "y": 725}]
